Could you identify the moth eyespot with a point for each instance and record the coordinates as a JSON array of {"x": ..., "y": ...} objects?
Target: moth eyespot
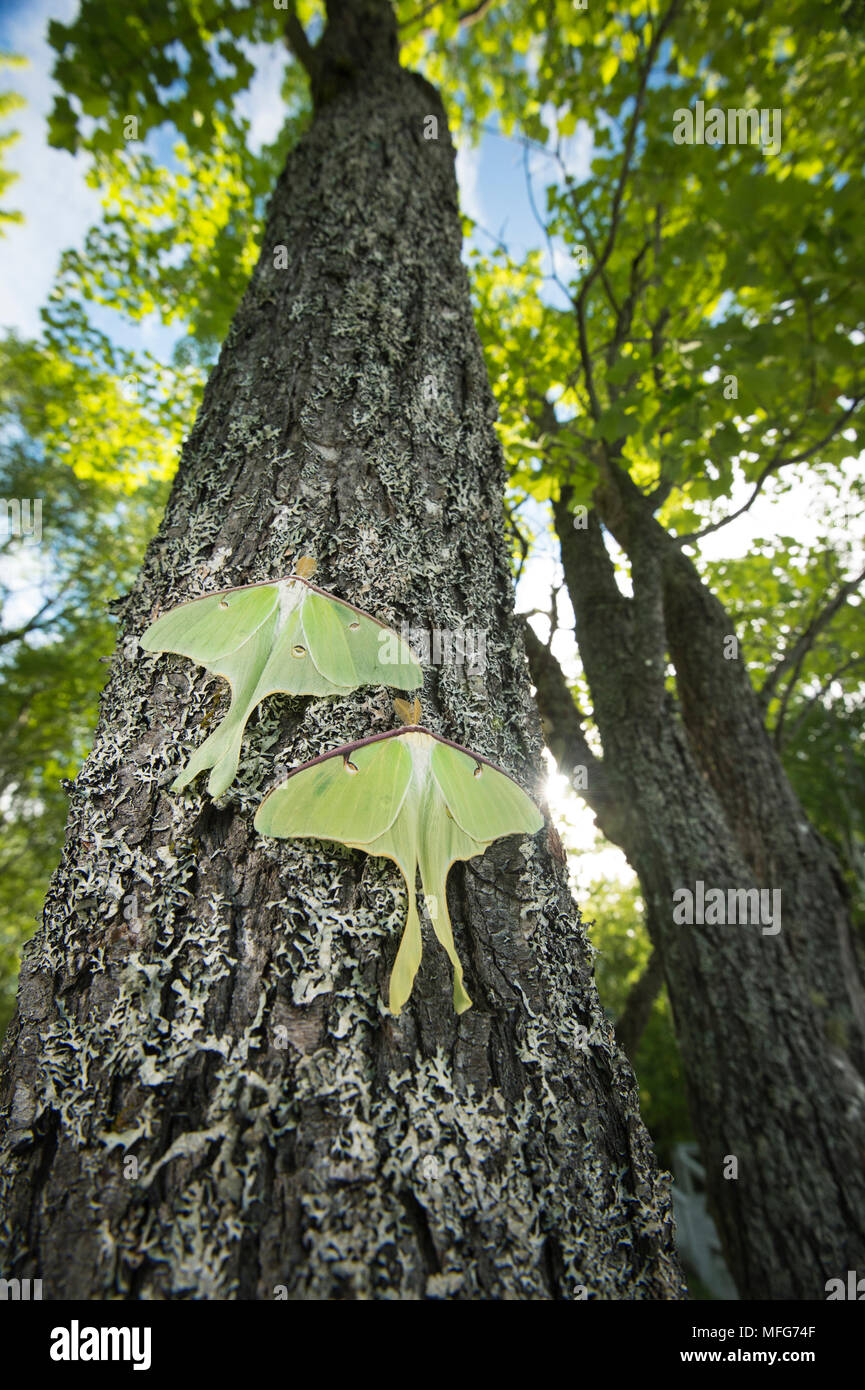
[
  {"x": 477, "y": 771},
  {"x": 353, "y": 627},
  {"x": 350, "y": 766},
  {"x": 298, "y": 651},
  {"x": 223, "y": 603}
]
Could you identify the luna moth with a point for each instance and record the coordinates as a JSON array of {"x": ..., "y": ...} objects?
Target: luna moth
[
  {"x": 414, "y": 797},
  {"x": 285, "y": 636}
]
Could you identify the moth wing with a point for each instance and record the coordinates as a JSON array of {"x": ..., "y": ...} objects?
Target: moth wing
[
  {"x": 352, "y": 649},
  {"x": 327, "y": 800},
  {"x": 207, "y": 629},
  {"x": 399, "y": 842},
  {"x": 290, "y": 668},
  {"x": 484, "y": 802},
  {"x": 441, "y": 841}
]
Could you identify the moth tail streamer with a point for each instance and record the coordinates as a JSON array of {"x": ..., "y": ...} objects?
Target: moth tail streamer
[
  {"x": 220, "y": 752},
  {"x": 407, "y": 962},
  {"x": 437, "y": 907}
]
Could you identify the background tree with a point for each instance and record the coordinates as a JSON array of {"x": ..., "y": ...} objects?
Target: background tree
[
  {"x": 203, "y": 1095},
  {"x": 711, "y": 336}
]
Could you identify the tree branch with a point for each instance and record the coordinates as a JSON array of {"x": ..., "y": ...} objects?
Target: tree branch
[
  {"x": 773, "y": 466},
  {"x": 824, "y": 688},
  {"x": 795, "y": 656},
  {"x": 563, "y": 733},
  {"x": 587, "y": 232},
  {"x": 474, "y": 12},
  {"x": 630, "y": 140},
  {"x": 631, "y": 1023},
  {"x": 34, "y": 624},
  {"x": 544, "y": 228},
  {"x": 600, "y": 262},
  {"x": 521, "y": 539},
  {"x": 627, "y": 512},
  {"x": 299, "y": 44},
  {"x": 472, "y": 15}
]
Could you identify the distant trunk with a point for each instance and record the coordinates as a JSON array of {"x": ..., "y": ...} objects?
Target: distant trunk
[
  {"x": 204, "y": 1096},
  {"x": 770, "y": 1024}
]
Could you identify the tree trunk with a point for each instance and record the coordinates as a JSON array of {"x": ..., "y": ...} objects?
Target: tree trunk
[
  {"x": 205, "y": 1097},
  {"x": 770, "y": 1024}
]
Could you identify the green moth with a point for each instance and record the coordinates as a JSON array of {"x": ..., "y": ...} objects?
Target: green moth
[
  {"x": 284, "y": 636},
  {"x": 413, "y": 797}
]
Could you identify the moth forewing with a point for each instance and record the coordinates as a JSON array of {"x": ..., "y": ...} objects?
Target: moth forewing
[
  {"x": 208, "y": 628},
  {"x": 485, "y": 802},
  {"x": 265, "y": 639}
]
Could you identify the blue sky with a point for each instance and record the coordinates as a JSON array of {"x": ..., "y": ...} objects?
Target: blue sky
[{"x": 51, "y": 192}]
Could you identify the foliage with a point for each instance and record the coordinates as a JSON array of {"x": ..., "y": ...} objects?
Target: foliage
[
  {"x": 183, "y": 189},
  {"x": 707, "y": 333},
  {"x": 613, "y": 910},
  {"x": 690, "y": 263},
  {"x": 9, "y": 102},
  {"x": 107, "y": 413},
  {"x": 56, "y": 628},
  {"x": 815, "y": 705}
]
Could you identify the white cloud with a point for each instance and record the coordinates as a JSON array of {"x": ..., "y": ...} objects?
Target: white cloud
[
  {"x": 262, "y": 103},
  {"x": 799, "y": 512},
  {"x": 51, "y": 192},
  {"x": 468, "y": 170}
]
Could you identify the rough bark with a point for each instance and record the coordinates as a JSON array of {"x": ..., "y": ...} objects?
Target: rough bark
[
  {"x": 203, "y": 1096},
  {"x": 770, "y": 1026}
]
